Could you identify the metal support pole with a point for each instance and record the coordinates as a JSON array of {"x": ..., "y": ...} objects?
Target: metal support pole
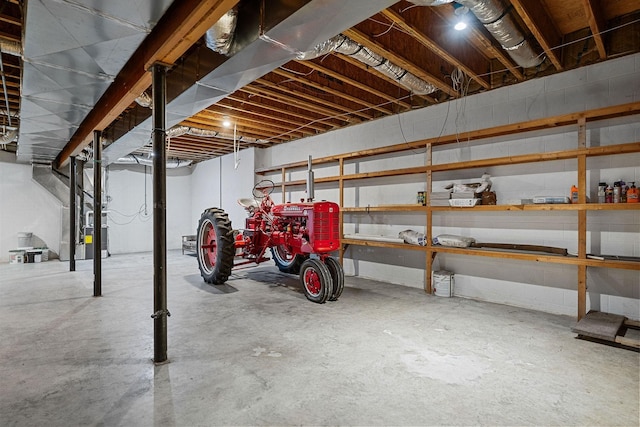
[
  {"x": 72, "y": 213},
  {"x": 160, "y": 312},
  {"x": 97, "y": 213}
]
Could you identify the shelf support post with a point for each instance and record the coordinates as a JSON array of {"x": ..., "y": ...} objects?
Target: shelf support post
[
  {"x": 341, "y": 202},
  {"x": 582, "y": 218},
  {"x": 428, "y": 288}
]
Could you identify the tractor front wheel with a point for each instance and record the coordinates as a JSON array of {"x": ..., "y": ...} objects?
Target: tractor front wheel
[
  {"x": 285, "y": 260},
  {"x": 215, "y": 248},
  {"x": 337, "y": 277},
  {"x": 316, "y": 280}
]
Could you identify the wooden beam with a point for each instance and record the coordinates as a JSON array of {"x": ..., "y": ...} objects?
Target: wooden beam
[
  {"x": 271, "y": 116},
  {"x": 11, "y": 20},
  {"x": 399, "y": 21},
  {"x": 328, "y": 90},
  {"x": 541, "y": 25},
  {"x": 245, "y": 123},
  {"x": 183, "y": 23},
  {"x": 374, "y": 46},
  {"x": 317, "y": 67},
  {"x": 596, "y": 22},
  {"x": 10, "y": 37},
  {"x": 302, "y": 100},
  {"x": 287, "y": 113}
]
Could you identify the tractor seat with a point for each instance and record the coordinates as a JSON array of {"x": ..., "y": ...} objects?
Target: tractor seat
[{"x": 248, "y": 203}]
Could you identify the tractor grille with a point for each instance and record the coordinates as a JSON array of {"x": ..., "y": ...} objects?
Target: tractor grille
[{"x": 326, "y": 226}]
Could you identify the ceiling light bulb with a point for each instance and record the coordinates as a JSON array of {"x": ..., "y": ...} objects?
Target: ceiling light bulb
[
  {"x": 461, "y": 25},
  {"x": 461, "y": 13},
  {"x": 226, "y": 122}
]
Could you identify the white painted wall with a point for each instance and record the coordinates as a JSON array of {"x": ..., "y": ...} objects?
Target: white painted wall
[
  {"x": 26, "y": 206},
  {"x": 218, "y": 183},
  {"x": 544, "y": 287},
  {"x": 131, "y": 213}
]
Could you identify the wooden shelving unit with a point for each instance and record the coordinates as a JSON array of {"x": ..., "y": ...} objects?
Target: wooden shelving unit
[{"x": 580, "y": 154}]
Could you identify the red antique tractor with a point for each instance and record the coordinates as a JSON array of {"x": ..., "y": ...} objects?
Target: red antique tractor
[{"x": 300, "y": 236}]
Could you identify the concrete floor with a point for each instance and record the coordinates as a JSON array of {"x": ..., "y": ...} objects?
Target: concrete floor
[{"x": 256, "y": 352}]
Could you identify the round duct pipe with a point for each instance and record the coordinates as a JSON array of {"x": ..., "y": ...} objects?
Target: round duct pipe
[
  {"x": 344, "y": 45},
  {"x": 132, "y": 159}
]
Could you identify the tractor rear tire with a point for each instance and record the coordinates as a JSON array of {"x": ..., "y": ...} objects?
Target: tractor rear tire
[
  {"x": 316, "y": 280},
  {"x": 215, "y": 246},
  {"x": 337, "y": 277},
  {"x": 286, "y": 262}
]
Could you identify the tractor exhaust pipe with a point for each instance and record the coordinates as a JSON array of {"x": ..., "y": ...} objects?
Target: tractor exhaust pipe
[{"x": 310, "y": 195}]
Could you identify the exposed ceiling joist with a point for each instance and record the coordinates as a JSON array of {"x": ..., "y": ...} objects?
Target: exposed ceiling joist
[
  {"x": 596, "y": 23},
  {"x": 326, "y": 71},
  {"x": 398, "y": 20},
  {"x": 325, "y": 88},
  {"x": 363, "y": 39}
]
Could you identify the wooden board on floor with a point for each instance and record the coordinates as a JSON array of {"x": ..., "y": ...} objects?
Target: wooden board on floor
[{"x": 595, "y": 324}]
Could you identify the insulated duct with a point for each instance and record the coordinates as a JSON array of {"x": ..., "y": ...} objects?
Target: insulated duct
[
  {"x": 497, "y": 19},
  {"x": 205, "y": 133},
  {"x": 132, "y": 159},
  {"x": 219, "y": 37},
  {"x": 344, "y": 45},
  {"x": 144, "y": 100},
  {"x": 8, "y": 137}
]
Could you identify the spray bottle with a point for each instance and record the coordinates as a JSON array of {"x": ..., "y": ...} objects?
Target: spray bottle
[{"x": 632, "y": 194}]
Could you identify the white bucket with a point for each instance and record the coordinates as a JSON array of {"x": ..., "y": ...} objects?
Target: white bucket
[{"x": 442, "y": 283}]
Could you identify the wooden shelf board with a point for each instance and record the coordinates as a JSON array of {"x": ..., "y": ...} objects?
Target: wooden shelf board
[
  {"x": 543, "y": 207},
  {"x": 540, "y": 257},
  {"x": 540, "y": 157},
  {"x": 523, "y": 256},
  {"x": 386, "y": 208},
  {"x": 359, "y": 242}
]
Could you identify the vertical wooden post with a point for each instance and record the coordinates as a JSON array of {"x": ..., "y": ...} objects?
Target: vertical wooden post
[
  {"x": 429, "y": 186},
  {"x": 582, "y": 219},
  {"x": 341, "y": 203}
]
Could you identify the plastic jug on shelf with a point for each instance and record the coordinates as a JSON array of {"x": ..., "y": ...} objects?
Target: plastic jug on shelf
[{"x": 574, "y": 194}]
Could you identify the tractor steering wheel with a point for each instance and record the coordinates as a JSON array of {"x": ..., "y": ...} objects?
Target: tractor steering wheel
[{"x": 263, "y": 189}]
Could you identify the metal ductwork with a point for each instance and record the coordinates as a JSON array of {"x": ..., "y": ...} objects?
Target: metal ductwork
[
  {"x": 206, "y": 133},
  {"x": 497, "y": 19},
  {"x": 8, "y": 137},
  {"x": 144, "y": 100},
  {"x": 132, "y": 159},
  {"x": 268, "y": 34},
  {"x": 219, "y": 38},
  {"x": 344, "y": 45}
]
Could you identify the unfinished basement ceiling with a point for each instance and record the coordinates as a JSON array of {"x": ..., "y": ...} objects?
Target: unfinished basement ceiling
[{"x": 70, "y": 53}]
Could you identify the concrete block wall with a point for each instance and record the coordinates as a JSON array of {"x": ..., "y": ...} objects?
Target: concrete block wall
[
  {"x": 219, "y": 183},
  {"x": 130, "y": 218},
  {"x": 539, "y": 286}
]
